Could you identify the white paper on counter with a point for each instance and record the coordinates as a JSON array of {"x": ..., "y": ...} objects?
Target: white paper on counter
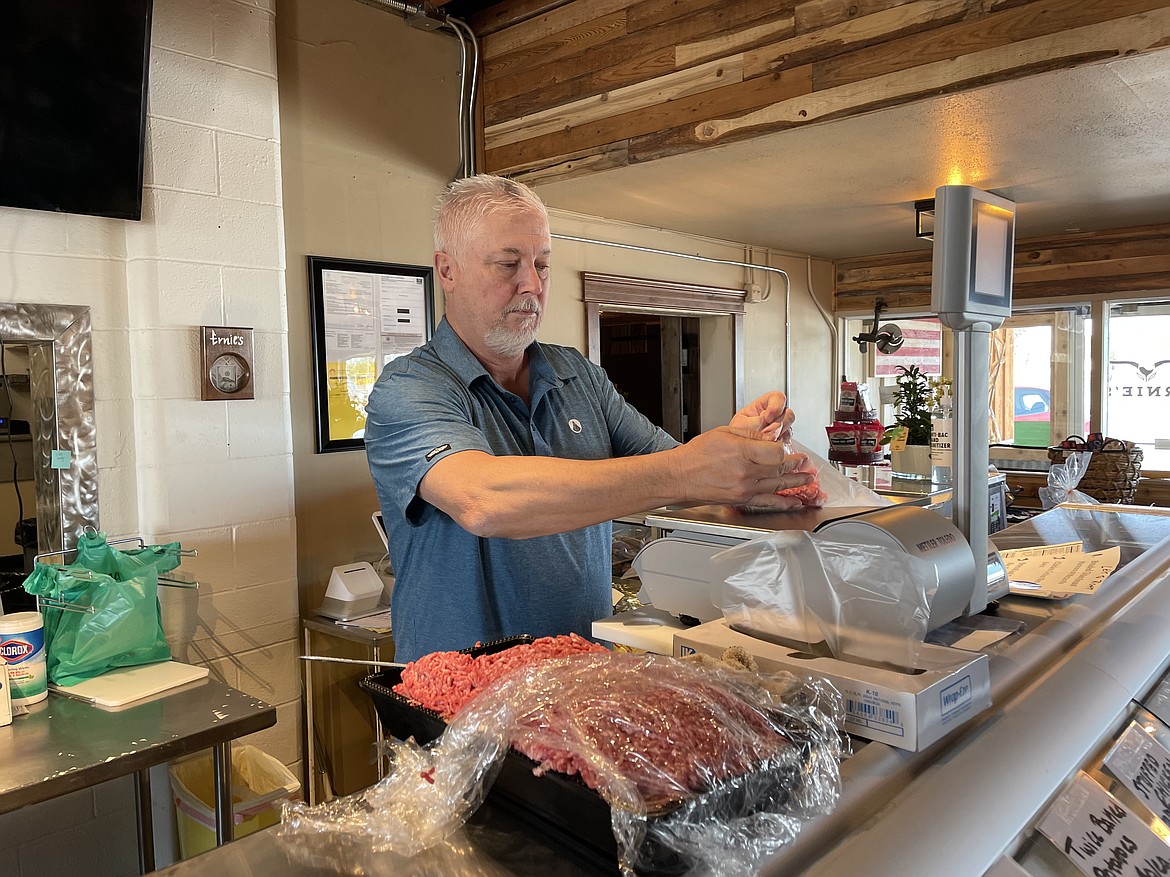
[
  {"x": 378, "y": 623},
  {"x": 1047, "y": 573}
]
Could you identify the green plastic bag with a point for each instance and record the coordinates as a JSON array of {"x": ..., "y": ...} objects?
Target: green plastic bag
[{"x": 125, "y": 627}]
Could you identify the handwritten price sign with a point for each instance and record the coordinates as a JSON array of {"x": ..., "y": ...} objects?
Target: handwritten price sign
[
  {"x": 1142, "y": 764},
  {"x": 1101, "y": 836}
]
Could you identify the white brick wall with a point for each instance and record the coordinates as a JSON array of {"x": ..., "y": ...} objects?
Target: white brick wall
[{"x": 215, "y": 475}]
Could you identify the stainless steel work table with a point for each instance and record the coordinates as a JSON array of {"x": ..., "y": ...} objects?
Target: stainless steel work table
[{"x": 65, "y": 744}]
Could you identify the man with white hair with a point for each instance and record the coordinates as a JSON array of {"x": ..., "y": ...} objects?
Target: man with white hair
[{"x": 500, "y": 462}]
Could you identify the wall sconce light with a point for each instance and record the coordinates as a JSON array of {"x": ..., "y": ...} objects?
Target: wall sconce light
[{"x": 924, "y": 219}]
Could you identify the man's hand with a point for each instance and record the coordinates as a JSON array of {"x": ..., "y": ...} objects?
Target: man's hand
[
  {"x": 768, "y": 415},
  {"x": 734, "y": 466}
]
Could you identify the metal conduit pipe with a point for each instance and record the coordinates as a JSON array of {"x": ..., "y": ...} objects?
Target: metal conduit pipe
[
  {"x": 404, "y": 8},
  {"x": 698, "y": 258},
  {"x": 467, "y": 94},
  {"x": 464, "y": 149}
]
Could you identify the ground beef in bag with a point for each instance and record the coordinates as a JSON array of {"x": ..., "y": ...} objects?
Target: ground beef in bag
[
  {"x": 445, "y": 681},
  {"x": 659, "y": 724}
]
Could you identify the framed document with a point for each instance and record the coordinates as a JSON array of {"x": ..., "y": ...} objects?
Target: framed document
[{"x": 364, "y": 315}]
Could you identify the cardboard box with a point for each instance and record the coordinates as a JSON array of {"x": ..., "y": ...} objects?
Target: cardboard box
[{"x": 906, "y": 710}]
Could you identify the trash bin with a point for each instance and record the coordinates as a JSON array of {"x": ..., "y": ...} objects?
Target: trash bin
[{"x": 259, "y": 784}]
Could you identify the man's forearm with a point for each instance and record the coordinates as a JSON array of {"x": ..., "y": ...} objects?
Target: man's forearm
[{"x": 522, "y": 497}]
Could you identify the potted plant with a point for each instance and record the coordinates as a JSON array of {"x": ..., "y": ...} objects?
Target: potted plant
[{"x": 909, "y": 437}]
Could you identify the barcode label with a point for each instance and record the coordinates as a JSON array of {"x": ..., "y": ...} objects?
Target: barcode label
[{"x": 873, "y": 715}]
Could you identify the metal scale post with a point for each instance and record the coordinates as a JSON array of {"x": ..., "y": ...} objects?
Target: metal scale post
[{"x": 971, "y": 291}]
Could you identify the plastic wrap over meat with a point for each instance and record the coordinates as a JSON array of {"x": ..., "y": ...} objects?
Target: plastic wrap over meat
[{"x": 717, "y": 767}]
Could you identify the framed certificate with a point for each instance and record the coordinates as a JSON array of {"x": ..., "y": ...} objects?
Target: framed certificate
[{"x": 364, "y": 315}]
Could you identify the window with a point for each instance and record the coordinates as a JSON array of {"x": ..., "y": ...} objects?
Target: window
[
  {"x": 1042, "y": 396},
  {"x": 1044, "y": 363},
  {"x": 1137, "y": 404}
]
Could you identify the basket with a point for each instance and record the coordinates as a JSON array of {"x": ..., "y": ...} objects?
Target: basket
[{"x": 1114, "y": 468}]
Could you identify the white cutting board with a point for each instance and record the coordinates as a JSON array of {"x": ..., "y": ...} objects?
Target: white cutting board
[{"x": 128, "y": 684}]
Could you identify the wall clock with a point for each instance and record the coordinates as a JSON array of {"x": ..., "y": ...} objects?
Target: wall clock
[{"x": 226, "y": 359}]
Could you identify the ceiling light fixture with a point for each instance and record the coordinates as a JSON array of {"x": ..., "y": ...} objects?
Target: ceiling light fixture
[{"x": 924, "y": 219}]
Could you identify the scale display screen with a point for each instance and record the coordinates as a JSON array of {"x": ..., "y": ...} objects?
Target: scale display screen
[{"x": 974, "y": 242}]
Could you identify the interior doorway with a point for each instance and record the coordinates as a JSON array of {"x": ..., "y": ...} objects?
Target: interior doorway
[
  {"x": 654, "y": 361},
  {"x": 681, "y": 359}
]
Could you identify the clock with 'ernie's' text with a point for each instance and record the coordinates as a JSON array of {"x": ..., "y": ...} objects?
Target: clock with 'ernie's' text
[{"x": 226, "y": 359}]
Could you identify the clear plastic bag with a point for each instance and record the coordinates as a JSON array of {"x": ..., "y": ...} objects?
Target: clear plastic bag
[
  {"x": 869, "y": 604},
  {"x": 838, "y": 489},
  {"x": 1063, "y": 479},
  {"x": 713, "y": 766}
]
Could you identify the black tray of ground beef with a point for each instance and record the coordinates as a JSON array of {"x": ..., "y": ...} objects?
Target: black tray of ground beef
[{"x": 564, "y": 806}]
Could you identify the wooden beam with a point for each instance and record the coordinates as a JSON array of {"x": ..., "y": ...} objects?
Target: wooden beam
[
  {"x": 533, "y": 58},
  {"x": 666, "y": 116},
  {"x": 1132, "y": 35},
  {"x": 848, "y": 37},
  {"x": 726, "y": 44},
  {"x": 816, "y": 14},
  {"x": 1123, "y": 261},
  {"x": 578, "y": 163},
  {"x": 660, "y": 90},
  {"x": 979, "y": 35},
  {"x": 514, "y": 24},
  {"x": 622, "y": 61}
]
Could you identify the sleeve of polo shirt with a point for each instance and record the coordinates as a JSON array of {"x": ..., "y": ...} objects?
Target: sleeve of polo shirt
[
  {"x": 631, "y": 433},
  {"x": 413, "y": 420}
]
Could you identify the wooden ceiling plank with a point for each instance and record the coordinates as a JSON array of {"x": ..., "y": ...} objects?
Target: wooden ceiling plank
[
  {"x": 1116, "y": 250},
  {"x": 1015, "y": 25},
  {"x": 1138, "y": 33},
  {"x": 570, "y": 43},
  {"x": 508, "y": 13},
  {"x": 617, "y": 63},
  {"x": 1025, "y": 274},
  {"x": 817, "y": 14},
  {"x": 574, "y": 164},
  {"x": 726, "y": 44},
  {"x": 657, "y": 13},
  {"x": 757, "y": 92},
  {"x": 853, "y": 34},
  {"x": 1086, "y": 266},
  {"x": 652, "y": 92},
  {"x": 1158, "y": 232},
  {"x": 565, "y": 16},
  {"x": 862, "y": 275},
  {"x": 1108, "y": 284}
]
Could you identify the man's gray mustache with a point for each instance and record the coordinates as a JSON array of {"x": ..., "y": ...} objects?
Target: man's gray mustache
[{"x": 525, "y": 307}]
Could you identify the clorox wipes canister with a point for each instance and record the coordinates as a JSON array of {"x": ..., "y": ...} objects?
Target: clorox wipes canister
[{"x": 22, "y": 648}]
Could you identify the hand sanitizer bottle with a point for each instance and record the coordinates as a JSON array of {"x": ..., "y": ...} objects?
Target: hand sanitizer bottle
[{"x": 942, "y": 427}]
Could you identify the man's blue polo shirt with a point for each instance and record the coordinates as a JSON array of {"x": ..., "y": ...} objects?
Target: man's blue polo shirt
[{"x": 452, "y": 588}]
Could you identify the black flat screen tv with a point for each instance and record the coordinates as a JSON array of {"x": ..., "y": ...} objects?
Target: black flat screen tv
[{"x": 73, "y": 79}]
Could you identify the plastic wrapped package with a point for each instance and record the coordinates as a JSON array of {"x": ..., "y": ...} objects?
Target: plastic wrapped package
[
  {"x": 1063, "y": 479},
  {"x": 868, "y": 603},
  {"x": 833, "y": 488},
  {"x": 701, "y": 766}
]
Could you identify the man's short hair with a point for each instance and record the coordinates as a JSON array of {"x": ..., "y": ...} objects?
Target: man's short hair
[{"x": 464, "y": 203}]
